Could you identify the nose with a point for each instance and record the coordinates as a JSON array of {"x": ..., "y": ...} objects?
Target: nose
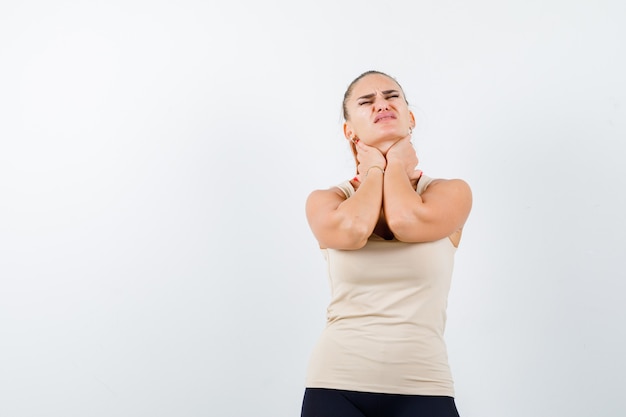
[{"x": 381, "y": 104}]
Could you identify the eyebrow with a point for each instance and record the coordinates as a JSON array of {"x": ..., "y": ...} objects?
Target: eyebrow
[{"x": 386, "y": 92}]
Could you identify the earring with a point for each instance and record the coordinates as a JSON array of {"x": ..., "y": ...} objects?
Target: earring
[{"x": 410, "y": 130}]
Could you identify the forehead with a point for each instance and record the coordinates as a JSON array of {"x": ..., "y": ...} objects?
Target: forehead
[{"x": 374, "y": 83}]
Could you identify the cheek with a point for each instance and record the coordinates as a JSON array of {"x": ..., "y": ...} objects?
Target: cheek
[{"x": 362, "y": 117}]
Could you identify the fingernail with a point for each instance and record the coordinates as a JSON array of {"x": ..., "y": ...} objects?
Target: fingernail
[{"x": 355, "y": 179}]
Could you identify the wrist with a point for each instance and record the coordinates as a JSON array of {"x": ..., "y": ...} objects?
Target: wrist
[{"x": 375, "y": 168}]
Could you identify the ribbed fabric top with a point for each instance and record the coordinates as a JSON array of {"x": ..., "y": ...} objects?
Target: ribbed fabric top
[{"x": 386, "y": 317}]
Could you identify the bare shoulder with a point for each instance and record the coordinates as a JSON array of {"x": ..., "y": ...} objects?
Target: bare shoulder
[
  {"x": 324, "y": 198},
  {"x": 452, "y": 196},
  {"x": 320, "y": 207},
  {"x": 449, "y": 186},
  {"x": 331, "y": 193}
]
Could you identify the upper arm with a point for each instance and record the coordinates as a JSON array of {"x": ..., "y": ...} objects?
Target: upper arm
[
  {"x": 445, "y": 206},
  {"x": 331, "y": 228}
]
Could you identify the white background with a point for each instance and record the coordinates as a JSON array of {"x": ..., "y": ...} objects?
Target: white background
[{"x": 155, "y": 157}]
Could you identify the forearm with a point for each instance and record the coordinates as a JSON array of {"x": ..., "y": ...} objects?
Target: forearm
[
  {"x": 359, "y": 214},
  {"x": 403, "y": 206}
]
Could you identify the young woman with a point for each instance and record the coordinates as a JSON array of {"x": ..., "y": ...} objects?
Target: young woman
[{"x": 389, "y": 236}]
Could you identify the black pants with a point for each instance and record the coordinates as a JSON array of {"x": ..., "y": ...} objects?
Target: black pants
[{"x": 323, "y": 402}]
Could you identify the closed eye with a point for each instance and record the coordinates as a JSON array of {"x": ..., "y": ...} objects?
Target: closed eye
[{"x": 391, "y": 94}]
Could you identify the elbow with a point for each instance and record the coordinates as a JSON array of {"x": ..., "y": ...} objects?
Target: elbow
[
  {"x": 346, "y": 235},
  {"x": 401, "y": 219},
  {"x": 407, "y": 226},
  {"x": 343, "y": 242},
  {"x": 354, "y": 235},
  {"x": 401, "y": 226}
]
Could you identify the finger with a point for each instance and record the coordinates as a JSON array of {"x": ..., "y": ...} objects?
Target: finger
[{"x": 360, "y": 145}]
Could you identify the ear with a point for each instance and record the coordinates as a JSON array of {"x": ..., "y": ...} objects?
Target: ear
[
  {"x": 348, "y": 132},
  {"x": 412, "y": 117}
]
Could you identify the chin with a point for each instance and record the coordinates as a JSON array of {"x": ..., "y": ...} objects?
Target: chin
[{"x": 383, "y": 143}]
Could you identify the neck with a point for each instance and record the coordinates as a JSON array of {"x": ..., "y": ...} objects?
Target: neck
[{"x": 384, "y": 146}]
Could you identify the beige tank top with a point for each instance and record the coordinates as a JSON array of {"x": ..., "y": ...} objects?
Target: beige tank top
[{"x": 386, "y": 317}]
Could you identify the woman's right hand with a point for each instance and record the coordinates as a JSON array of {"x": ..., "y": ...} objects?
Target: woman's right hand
[{"x": 367, "y": 157}]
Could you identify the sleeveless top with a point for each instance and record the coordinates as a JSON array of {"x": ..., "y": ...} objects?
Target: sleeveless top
[{"x": 386, "y": 318}]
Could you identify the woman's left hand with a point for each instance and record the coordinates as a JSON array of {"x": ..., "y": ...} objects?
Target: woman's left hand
[{"x": 402, "y": 152}]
